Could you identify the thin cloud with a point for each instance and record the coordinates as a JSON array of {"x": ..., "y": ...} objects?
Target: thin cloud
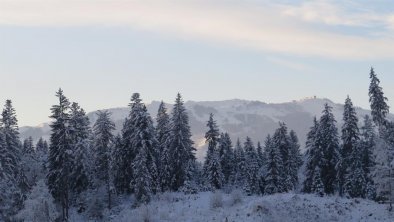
[
  {"x": 330, "y": 13},
  {"x": 265, "y": 27}
]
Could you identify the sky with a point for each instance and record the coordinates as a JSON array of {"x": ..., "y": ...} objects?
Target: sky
[{"x": 101, "y": 51}]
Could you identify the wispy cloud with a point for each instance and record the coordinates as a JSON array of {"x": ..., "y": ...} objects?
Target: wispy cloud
[
  {"x": 349, "y": 13},
  {"x": 267, "y": 27}
]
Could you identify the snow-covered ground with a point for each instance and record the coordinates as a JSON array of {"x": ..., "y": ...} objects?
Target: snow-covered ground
[{"x": 208, "y": 206}]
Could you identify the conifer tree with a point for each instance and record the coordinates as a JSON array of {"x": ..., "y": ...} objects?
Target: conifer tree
[
  {"x": 314, "y": 156},
  {"x": 145, "y": 180},
  {"x": 60, "y": 154},
  {"x": 79, "y": 133},
  {"x": 355, "y": 182},
  {"x": 350, "y": 139},
  {"x": 240, "y": 165},
  {"x": 367, "y": 144},
  {"x": 252, "y": 169},
  {"x": 295, "y": 159},
  {"x": 28, "y": 147},
  {"x": 41, "y": 154},
  {"x": 281, "y": 142},
  {"x": 181, "y": 145},
  {"x": 212, "y": 171},
  {"x": 8, "y": 183},
  {"x": 163, "y": 134},
  {"x": 317, "y": 185},
  {"x": 260, "y": 154},
  {"x": 103, "y": 139},
  {"x": 126, "y": 153},
  {"x": 117, "y": 158},
  {"x": 273, "y": 165},
  {"x": 377, "y": 100},
  {"x": 13, "y": 154},
  {"x": 327, "y": 140},
  {"x": 226, "y": 155}
]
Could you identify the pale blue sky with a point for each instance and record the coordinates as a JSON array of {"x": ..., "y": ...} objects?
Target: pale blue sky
[{"x": 101, "y": 51}]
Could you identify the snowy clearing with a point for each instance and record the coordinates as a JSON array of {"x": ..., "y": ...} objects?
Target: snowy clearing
[{"x": 208, "y": 206}]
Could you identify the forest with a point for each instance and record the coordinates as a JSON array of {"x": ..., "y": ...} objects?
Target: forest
[{"x": 88, "y": 168}]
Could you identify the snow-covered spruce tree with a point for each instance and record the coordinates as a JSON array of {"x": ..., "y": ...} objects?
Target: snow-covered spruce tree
[
  {"x": 116, "y": 157},
  {"x": 260, "y": 154},
  {"x": 103, "y": 139},
  {"x": 314, "y": 155},
  {"x": 212, "y": 170},
  {"x": 8, "y": 183},
  {"x": 295, "y": 158},
  {"x": 317, "y": 185},
  {"x": 350, "y": 139},
  {"x": 163, "y": 135},
  {"x": 60, "y": 154},
  {"x": 14, "y": 153},
  {"x": 181, "y": 145},
  {"x": 79, "y": 133},
  {"x": 126, "y": 153},
  {"x": 273, "y": 168},
  {"x": 377, "y": 100},
  {"x": 226, "y": 154},
  {"x": 28, "y": 147},
  {"x": 252, "y": 169},
  {"x": 281, "y": 142},
  {"x": 367, "y": 144},
  {"x": 355, "y": 183},
  {"x": 145, "y": 180},
  {"x": 41, "y": 153},
  {"x": 327, "y": 139},
  {"x": 238, "y": 173},
  {"x": 30, "y": 164}
]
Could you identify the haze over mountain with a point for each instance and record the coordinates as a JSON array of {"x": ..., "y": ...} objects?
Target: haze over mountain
[{"x": 240, "y": 118}]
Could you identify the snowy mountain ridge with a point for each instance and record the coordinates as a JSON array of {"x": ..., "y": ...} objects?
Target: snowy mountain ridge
[{"x": 240, "y": 118}]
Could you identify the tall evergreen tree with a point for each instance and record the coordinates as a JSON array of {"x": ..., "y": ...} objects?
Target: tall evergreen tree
[
  {"x": 239, "y": 165},
  {"x": 60, "y": 154},
  {"x": 317, "y": 185},
  {"x": 281, "y": 141},
  {"x": 126, "y": 153},
  {"x": 116, "y": 168},
  {"x": 327, "y": 139},
  {"x": 163, "y": 134},
  {"x": 181, "y": 145},
  {"x": 145, "y": 178},
  {"x": 377, "y": 100},
  {"x": 79, "y": 133},
  {"x": 103, "y": 139},
  {"x": 355, "y": 182},
  {"x": 41, "y": 153},
  {"x": 252, "y": 169},
  {"x": 350, "y": 139},
  {"x": 212, "y": 171},
  {"x": 11, "y": 137},
  {"x": 8, "y": 184},
  {"x": 274, "y": 167},
  {"x": 260, "y": 154},
  {"x": 226, "y": 155},
  {"x": 295, "y": 159},
  {"x": 28, "y": 147},
  {"x": 367, "y": 144},
  {"x": 14, "y": 153},
  {"x": 314, "y": 155}
]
